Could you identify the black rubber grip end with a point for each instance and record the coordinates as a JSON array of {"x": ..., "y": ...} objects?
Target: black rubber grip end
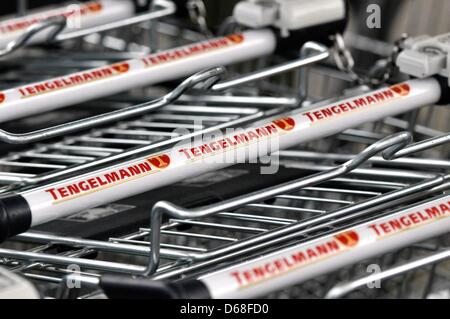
[
  {"x": 445, "y": 90},
  {"x": 191, "y": 289},
  {"x": 15, "y": 216},
  {"x": 120, "y": 287}
]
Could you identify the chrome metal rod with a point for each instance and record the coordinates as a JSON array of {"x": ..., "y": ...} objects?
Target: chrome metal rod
[
  {"x": 344, "y": 288},
  {"x": 55, "y": 22},
  {"x": 120, "y": 248},
  {"x": 303, "y": 74},
  {"x": 166, "y": 8},
  {"x": 321, "y": 53},
  {"x": 64, "y": 261},
  {"x": 421, "y": 146},
  {"x": 259, "y": 101},
  {"x": 410, "y": 162}
]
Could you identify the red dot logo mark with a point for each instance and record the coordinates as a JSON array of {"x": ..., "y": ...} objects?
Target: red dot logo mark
[
  {"x": 236, "y": 38},
  {"x": 94, "y": 7},
  {"x": 161, "y": 161},
  {"x": 349, "y": 238},
  {"x": 286, "y": 124},
  {"x": 121, "y": 68},
  {"x": 402, "y": 89}
]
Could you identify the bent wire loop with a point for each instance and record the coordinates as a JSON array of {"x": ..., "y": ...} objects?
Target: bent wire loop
[
  {"x": 54, "y": 22},
  {"x": 389, "y": 146}
]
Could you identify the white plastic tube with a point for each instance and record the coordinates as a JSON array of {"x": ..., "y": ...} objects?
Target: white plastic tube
[
  {"x": 162, "y": 66},
  {"x": 298, "y": 263},
  {"x": 192, "y": 159}
]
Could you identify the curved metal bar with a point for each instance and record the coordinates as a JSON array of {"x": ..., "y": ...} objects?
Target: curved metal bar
[
  {"x": 417, "y": 147},
  {"x": 199, "y": 78},
  {"x": 344, "y": 288},
  {"x": 316, "y": 52},
  {"x": 57, "y": 22},
  {"x": 396, "y": 141},
  {"x": 303, "y": 74},
  {"x": 167, "y": 8}
]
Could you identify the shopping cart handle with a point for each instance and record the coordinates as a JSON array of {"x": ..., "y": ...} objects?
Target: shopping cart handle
[{"x": 122, "y": 287}]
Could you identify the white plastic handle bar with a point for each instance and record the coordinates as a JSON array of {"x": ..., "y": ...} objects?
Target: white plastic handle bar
[
  {"x": 301, "y": 262},
  {"x": 63, "y": 198},
  {"x": 159, "y": 67}
]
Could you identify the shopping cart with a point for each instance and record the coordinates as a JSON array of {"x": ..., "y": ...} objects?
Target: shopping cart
[{"x": 247, "y": 225}]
